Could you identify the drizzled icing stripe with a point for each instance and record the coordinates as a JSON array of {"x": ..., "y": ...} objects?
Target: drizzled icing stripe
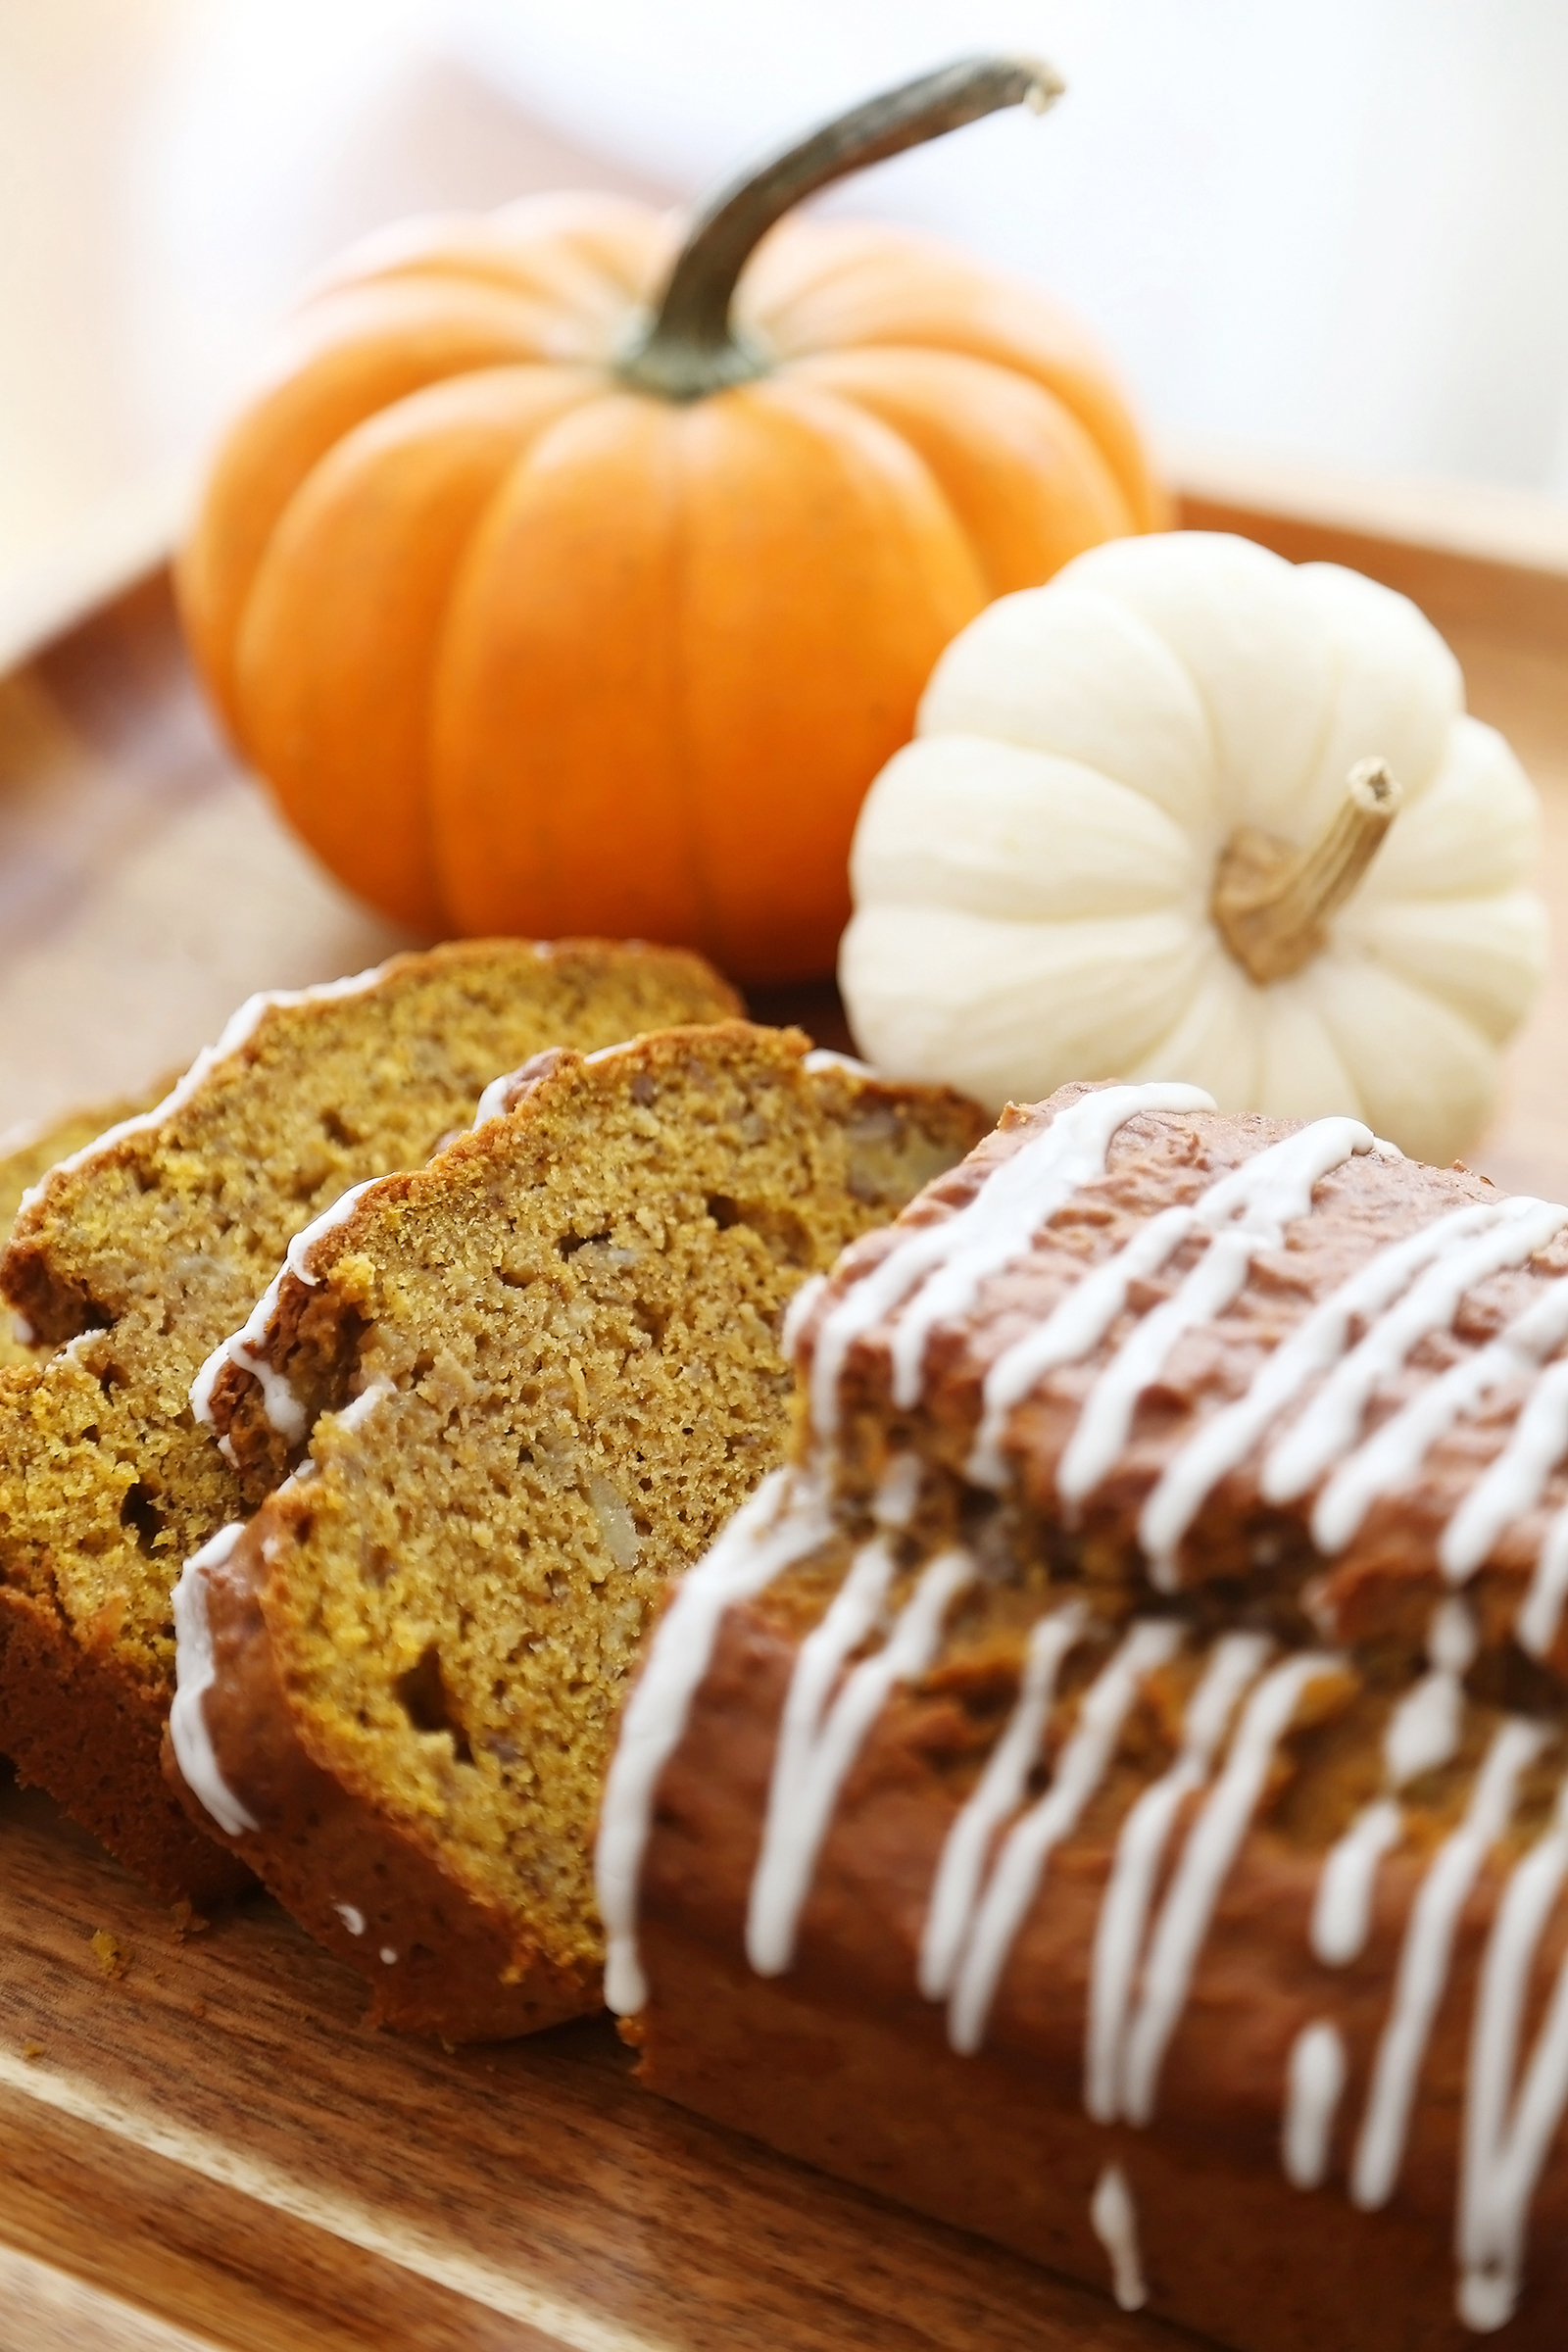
[
  {"x": 999, "y": 1794},
  {"x": 1224, "y": 1441},
  {"x": 1328, "y": 1428},
  {"x": 786, "y": 1518},
  {"x": 1508, "y": 2135},
  {"x": 195, "y": 1673},
  {"x": 1211, "y": 1848},
  {"x": 246, "y": 1347},
  {"x": 1514, "y": 1483},
  {"x": 1424, "y": 1729},
  {"x": 1315, "y": 2088},
  {"x": 1141, "y": 1848},
  {"x": 236, "y": 1032},
  {"x": 1074, "y": 1329},
  {"x": 856, "y": 1612},
  {"x": 810, "y": 1774},
  {"x": 1263, "y": 1196},
  {"x": 1395, "y": 1453},
  {"x": 1113, "y": 2218},
  {"x": 1019, "y": 1196},
  {"x": 1425, "y": 1958},
  {"x": 1015, "y": 1880},
  {"x": 1541, "y": 1614},
  {"x": 1342, "y": 1908},
  {"x": 1423, "y": 1732}
]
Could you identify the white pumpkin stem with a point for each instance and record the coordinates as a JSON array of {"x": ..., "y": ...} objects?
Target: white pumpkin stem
[{"x": 1272, "y": 901}]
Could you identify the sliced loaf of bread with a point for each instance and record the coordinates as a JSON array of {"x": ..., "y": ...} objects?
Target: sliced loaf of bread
[
  {"x": 535, "y": 1376},
  {"x": 136, "y": 1255}
]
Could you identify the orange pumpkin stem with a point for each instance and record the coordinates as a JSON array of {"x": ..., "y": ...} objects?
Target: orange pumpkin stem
[{"x": 690, "y": 346}]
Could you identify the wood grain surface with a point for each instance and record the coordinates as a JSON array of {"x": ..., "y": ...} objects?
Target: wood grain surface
[
  {"x": 203, "y": 2147},
  {"x": 211, "y": 2136}
]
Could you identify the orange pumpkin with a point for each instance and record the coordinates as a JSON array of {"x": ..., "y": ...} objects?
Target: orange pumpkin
[{"x": 547, "y": 602}]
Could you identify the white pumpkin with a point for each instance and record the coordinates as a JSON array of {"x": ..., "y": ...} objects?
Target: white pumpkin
[{"x": 1035, "y": 875}]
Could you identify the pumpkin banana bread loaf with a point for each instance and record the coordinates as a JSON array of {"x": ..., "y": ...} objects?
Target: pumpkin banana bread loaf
[
  {"x": 1112, "y": 1791},
  {"x": 535, "y": 1376},
  {"x": 133, "y": 1258},
  {"x": 25, "y": 1165}
]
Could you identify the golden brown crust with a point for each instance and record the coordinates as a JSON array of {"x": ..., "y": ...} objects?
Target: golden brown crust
[
  {"x": 462, "y": 1970},
  {"x": 992, "y": 2145},
  {"x": 841, "y": 2062},
  {"x": 80, "y": 1728},
  {"x": 1257, "y": 1983}
]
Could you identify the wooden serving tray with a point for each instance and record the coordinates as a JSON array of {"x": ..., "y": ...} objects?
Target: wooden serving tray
[{"x": 199, "y": 2145}]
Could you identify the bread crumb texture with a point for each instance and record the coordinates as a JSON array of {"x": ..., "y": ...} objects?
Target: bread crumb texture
[
  {"x": 571, "y": 1375},
  {"x": 136, "y": 1263},
  {"x": 30, "y": 1161}
]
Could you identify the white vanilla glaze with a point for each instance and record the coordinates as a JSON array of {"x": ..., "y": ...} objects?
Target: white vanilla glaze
[
  {"x": 821, "y": 1737},
  {"x": 798, "y": 1314},
  {"x": 1406, "y": 1293},
  {"x": 1014, "y": 1880},
  {"x": 1342, "y": 1908},
  {"x": 1423, "y": 1732},
  {"x": 785, "y": 1519},
  {"x": 1113, "y": 2218},
  {"x": 246, "y": 1348},
  {"x": 997, "y": 1794},
  {"x": 1330, "y": 1425},
  {"x": 389, "y": 1957},
  {"x": 947, "y": 1262},
  {"x": 1223, "y": 1442},
  {"x": 1213, "y": 1845},
  {"x": 1515, "y": 1481},
  {"x": 1508, "y": 2133},
  {"x": 1396, "y": 1451},
  {"x": 1315, "y": 2086},
  {"x": 195, "y": 1671},
  {"x": 1141, "y": 1848},
  {"x": 823, "y": 1058},
  {"x": 352, "y": 1917},
  {"x": 496, "y": 1099},
  {"x": 1247, "y": 1211},
  {"x": 1073, "y": 1330},
  {"x": 1541, "y": 1614},
  {"x": 359, "y": 1409},
  {"x": 237, "y": 1032},
  {"x": 1425, "y": 1958}
]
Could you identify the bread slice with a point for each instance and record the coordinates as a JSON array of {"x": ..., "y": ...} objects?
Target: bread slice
[
  {"x": 556, "y": 1358},
  {"x": 134, "y": 1257},
  {"x": 26, "y": 1163}
]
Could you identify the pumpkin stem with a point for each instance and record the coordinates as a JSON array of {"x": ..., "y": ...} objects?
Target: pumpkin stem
[
  {"x": 690, "y": 347},
  {"x": 1271, "y": 902}
]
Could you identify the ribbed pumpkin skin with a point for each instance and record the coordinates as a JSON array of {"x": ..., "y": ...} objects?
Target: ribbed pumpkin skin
[{"x": 518, "y": 649}]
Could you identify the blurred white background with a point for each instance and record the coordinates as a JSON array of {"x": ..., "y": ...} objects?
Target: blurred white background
[{"x": 1332, "y": 232}]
